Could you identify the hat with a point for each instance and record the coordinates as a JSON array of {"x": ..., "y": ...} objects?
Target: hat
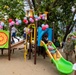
[
  {"x": 69, "y": 38},
  {"x": 49, "y": 42}
]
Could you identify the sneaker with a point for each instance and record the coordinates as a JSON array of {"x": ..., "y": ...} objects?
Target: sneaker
[{"x": 12, "y": 42}]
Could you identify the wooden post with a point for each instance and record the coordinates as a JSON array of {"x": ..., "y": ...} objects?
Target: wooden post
[
  {"x": 2, "y": 51},
  {"x": 9, "y": 49},
  {"x": 35, "y": 44},
  {"x": 30, "y": 46}
]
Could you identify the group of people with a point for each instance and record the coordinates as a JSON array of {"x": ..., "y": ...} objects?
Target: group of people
[
  {"x": 50, "y": 47},
  {"x": 68, "y": 47},
  {"x": 14, "y": 32}
]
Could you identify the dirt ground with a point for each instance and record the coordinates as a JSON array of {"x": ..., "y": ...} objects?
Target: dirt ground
[{"x": 18, "y": 66}]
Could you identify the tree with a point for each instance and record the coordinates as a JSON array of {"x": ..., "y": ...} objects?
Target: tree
[
  {"x": 12, "y": 8},
  {"x": 59, "y": 11}
]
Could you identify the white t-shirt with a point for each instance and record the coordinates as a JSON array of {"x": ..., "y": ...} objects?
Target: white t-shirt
[
  {"x": 74, "y": 67},
  {"x": 50, "y": 47},
  {"x": 13, "y": 30},
  {"x": 24, "y": 30}
]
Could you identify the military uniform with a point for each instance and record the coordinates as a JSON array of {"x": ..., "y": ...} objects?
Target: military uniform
[{"x": 69, "y": 49}]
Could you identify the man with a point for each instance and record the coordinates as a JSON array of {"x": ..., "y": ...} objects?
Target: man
[{"x": 69, "y": 48}]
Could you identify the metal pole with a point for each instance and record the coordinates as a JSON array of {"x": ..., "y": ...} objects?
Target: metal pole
[{"x": 53, "y": 31}]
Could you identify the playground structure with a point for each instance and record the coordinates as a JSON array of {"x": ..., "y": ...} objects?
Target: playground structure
[
  {"x": 30, "y": 33},
  {"x": 41, "y": 32},
  {"x": 61, "y": 64},
  {"x": 5, "y": 42}
]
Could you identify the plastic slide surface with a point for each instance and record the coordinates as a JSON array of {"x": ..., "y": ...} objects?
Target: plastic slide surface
[{"x": 62, "y": 65}]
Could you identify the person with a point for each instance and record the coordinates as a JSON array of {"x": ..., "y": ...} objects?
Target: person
[
  {"x": 63, "y": 44},
  {"x": 24, "y": 34},
  {"x": 13, "y": 33},
  {"x": 69, "y": 49},
  {"x": 51, "y": 49},
  {"x": 57, "y": 43},
  {"x": 45, "y": 39},
  {"x": 41, "y": 49}
]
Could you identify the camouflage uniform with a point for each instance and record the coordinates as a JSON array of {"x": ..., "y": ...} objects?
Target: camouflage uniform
[{"x": 69, "y": 49}]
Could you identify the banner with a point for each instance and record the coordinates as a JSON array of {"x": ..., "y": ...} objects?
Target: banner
[{"x": 4, "y": 39}]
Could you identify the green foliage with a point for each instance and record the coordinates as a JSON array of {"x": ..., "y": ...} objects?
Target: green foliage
[
  {"x": 14, "y": 9},
  {"x": 59, "y": 11}
]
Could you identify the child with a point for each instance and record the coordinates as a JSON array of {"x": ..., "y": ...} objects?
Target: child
[
  {"x": 51, "y": 49},
  {"x": 24, "y": 34},
  {"x": 45, "y": 39},
  {"x": 13, "y": 33}
]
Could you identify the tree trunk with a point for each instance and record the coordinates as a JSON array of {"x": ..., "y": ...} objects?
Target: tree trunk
[
  {"x": 67, "y": 32},
  {"x": 70, "y": 26},
  {"x": 29, "y": 2}
]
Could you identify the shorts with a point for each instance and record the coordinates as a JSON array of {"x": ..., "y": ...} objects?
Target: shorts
[
  {"x": 13, "y": 34},
  {"x": 24, "y": 35},
  {"x": 52, "y": 51}
]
